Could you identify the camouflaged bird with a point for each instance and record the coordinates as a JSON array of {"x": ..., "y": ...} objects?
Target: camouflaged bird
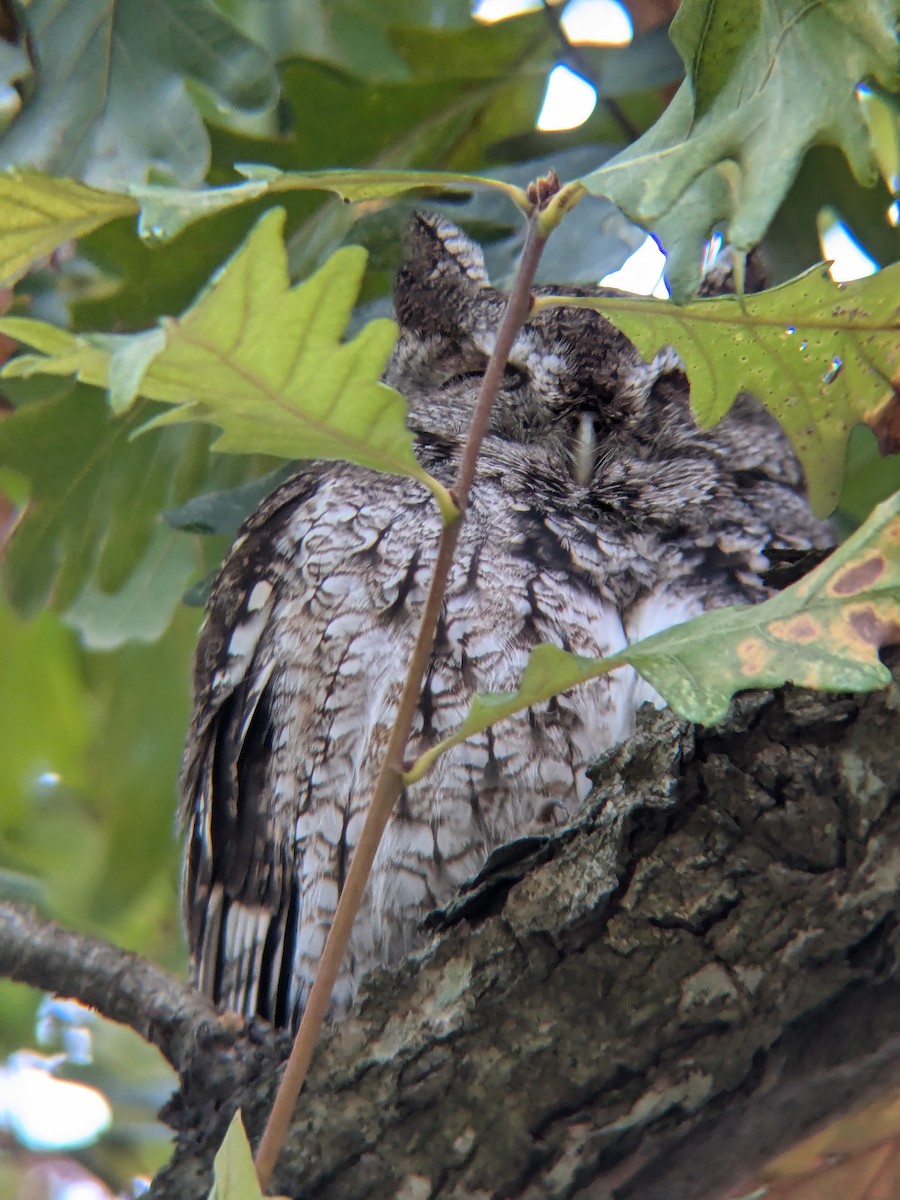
[{"x": 600, "y": 514}]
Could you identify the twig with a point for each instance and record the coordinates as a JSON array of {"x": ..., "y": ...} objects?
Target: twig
[
  {"x": 389, "y": 783},
  {"x": 128, "y": 989},
  {"x": 575, "y": 60}
]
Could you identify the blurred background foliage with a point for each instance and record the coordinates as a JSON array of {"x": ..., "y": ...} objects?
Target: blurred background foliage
[{"x": 105, "y": 534}]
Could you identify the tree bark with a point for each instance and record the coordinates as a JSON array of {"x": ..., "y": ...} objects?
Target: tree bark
[
  {"x": 123, "y": 987},
  {"x": 646, "y": 1005}
]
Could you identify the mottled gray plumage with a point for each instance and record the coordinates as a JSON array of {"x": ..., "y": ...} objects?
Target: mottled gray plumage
[{"x": 600, "y": 514}]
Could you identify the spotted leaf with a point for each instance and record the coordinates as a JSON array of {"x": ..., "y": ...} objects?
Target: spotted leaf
[{"x": 822, "y": 357}]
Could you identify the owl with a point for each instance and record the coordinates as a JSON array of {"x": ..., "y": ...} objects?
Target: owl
[{"x": 600, "y": 514}]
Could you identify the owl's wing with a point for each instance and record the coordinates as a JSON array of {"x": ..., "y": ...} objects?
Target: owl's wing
[{"x": 239, "y": 885}]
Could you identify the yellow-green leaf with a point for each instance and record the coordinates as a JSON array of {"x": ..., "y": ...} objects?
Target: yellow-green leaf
[
  {"x": 234, "y": 1176},
  {"x": 823, "y": 632},
  {"x": 260, "y": 359},
  {"x": 61, "y": 352},
  {"x": 39, "y": 213},
  {"x": 115, "y": 361},
  {"x": 821, "y": 356},
  {"x": 882, "y": 116},
  {"x": 166, "y": 211}
]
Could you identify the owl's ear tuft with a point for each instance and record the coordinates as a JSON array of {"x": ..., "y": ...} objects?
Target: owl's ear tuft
[
  {"x": 435, "y": 246},
  {"x": 442, "y": 275}
]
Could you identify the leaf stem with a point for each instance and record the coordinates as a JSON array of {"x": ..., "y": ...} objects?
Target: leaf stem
[{"x": 390, "y": 779}]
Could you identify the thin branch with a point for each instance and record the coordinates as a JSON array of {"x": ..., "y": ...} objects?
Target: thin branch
[
  {"x": 577, "y": 62},
  {"x": 390, "y": 782},
  {"x": 120, "y": 985}
]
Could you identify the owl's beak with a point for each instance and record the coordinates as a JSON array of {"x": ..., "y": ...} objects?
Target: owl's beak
[{"x": 584, "y": 451}]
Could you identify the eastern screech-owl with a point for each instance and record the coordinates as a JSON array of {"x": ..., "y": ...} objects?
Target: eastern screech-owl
[{"x": 600, "y": 514}]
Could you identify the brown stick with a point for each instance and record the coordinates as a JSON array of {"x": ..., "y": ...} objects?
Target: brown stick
[{"x": 389, "y": 782}]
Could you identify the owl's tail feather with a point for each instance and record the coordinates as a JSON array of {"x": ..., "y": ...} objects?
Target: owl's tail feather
[{"x": 245, "y": 957}]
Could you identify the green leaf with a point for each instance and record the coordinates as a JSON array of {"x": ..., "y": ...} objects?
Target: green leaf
[
  {"x": 89, "y": 357},
  {"x": 461, "y": 92},
  {"x": 234, "y": 1176},
  {"x": 455, "y": 123},
  {"x": 870, "y": 477},
  {"x": 264, "y": 362},
  {"x": 379, "y": 124},
  {"x": 76, "y": 737},
  {"x": 765, "y": 82},
  {"x": 882, "y": 116},
  {"x": 349, "y": 34},
  {"x": 140, "y": 279},
  {"x": 39, "y": 213},
  {"x": 139, "y": 708},
  {"x": 823, "y": 632},
  {"x": 825, "y": 180},
  {"x": 143, "y": 607},
  {"x": 96, "y": 497},
  {"x": 819, "y": 355},
  {"x": 221, "y": 512},
  {"x": 111, "y": 102},
  {"x": 42, "y": 728},
  {"x": 166, "y": 211},
  {"x": 117, "y": 362}
]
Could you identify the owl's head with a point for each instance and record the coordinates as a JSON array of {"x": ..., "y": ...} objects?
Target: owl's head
[
  {"x": 574, "y": 383},
  {"x": 582, "y": 422}
]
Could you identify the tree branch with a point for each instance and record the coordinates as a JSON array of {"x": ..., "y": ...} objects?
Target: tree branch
[
  {"x": 648, "y": 1004},
  {"x": 121, "y": 986}
]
